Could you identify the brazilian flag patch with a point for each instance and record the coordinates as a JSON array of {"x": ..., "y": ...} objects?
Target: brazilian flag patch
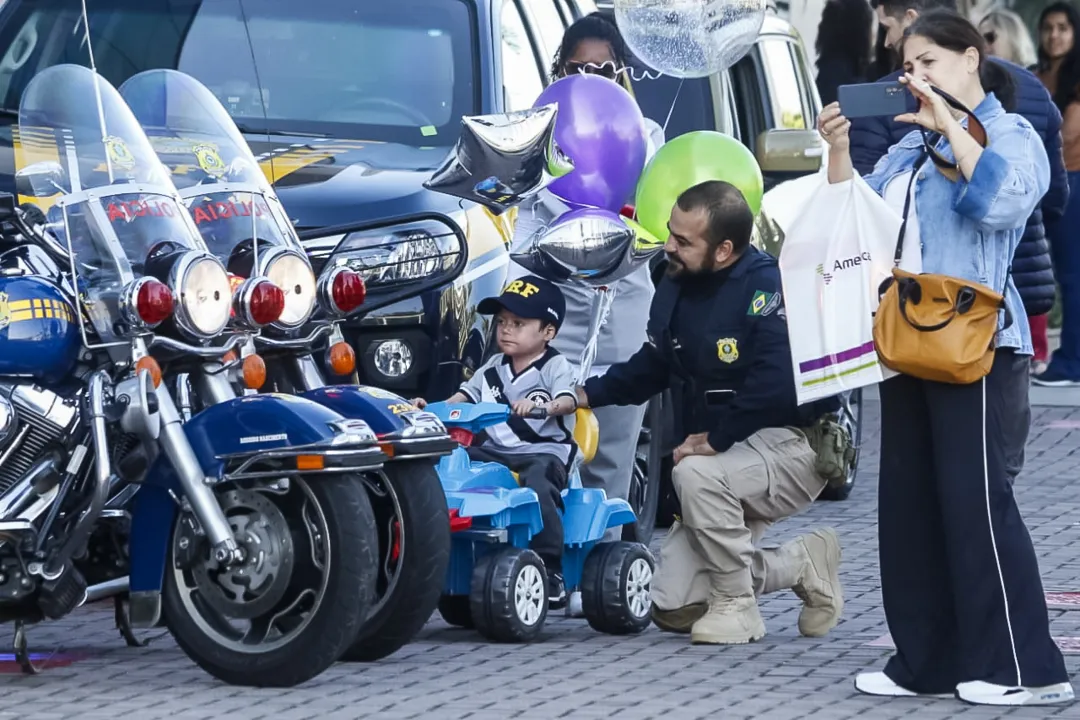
[{"x": 764, "y": 303}]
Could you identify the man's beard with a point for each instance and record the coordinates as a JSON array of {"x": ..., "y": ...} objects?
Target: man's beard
[{"x": 679, "y": 272}]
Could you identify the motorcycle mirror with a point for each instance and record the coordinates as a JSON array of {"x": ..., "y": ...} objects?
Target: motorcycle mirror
[{"x": 42, "y": 179}]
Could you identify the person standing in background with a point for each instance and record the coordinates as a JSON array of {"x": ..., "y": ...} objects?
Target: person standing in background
[
  {"x": 594, "y": 45},
  {"x": 841, "y": 60},
  {"x": 1033, "y": 271},
  {"x": 1059, "y": 70}
]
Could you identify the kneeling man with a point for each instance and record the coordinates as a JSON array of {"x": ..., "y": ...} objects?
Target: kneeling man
[{"x": 717, "y": 329}]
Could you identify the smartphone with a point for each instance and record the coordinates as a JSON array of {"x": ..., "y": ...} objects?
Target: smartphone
[
  {"x": 872, "y": 99},
  {"x": 713, "y": 398}
]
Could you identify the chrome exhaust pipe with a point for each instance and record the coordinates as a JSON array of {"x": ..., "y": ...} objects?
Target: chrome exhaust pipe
[{"x": 107, "y": 589}]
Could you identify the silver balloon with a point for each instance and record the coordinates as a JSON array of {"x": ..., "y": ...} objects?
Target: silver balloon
[
  {"x": 501, "y": 159},
  {"x": 690, "y": 38},
  {"x": 589, "y": 246}
]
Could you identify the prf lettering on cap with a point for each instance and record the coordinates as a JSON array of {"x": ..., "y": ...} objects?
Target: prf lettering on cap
[{"x": 522, "y": 288}]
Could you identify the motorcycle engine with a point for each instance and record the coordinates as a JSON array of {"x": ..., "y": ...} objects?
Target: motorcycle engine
[{"x": 32, "y": 421}]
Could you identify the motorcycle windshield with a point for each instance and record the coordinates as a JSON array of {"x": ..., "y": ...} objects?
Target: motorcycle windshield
[
  {"x": 229, "y": 197},
  {"x": 85, "y": 161}
]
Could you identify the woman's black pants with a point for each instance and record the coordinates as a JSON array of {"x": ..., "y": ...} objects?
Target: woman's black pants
[{"x": 959, "y": 577}]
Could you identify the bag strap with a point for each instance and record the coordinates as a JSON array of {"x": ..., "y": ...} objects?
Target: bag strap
[{"x": 907, "y": 208}]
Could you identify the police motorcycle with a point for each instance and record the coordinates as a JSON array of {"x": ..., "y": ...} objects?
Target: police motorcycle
[
  {"x": 244, "y": 225},
  {"x": 249, "y": 531}
]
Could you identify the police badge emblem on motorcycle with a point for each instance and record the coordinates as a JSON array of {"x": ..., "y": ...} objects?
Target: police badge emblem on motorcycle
[
  {"x": 209, "y": 160},
  {"x": 5, "y": 311},
  {"x": 727, "y": 349},
  {"x": 119, "y": 154}
]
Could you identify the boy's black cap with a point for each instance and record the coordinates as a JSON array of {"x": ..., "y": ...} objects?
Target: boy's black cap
[{"x": 529, "y": 297}]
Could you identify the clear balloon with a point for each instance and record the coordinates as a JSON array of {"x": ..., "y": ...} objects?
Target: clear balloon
[
  {"x": 501, "y": 159},
  {"x": 690, "y": 38},
  {"x": 590, "y": 246}
]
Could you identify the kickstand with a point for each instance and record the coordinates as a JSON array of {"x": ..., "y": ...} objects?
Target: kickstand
[
  {"x": 123, "y": 624},
  {"x": 22, "y": 654}
]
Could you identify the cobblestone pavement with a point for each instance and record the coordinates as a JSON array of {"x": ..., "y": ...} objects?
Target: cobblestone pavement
[{"x": 575, "y": 672}]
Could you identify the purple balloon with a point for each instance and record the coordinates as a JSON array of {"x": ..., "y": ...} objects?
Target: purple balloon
[{"x": 601, "y": 128}]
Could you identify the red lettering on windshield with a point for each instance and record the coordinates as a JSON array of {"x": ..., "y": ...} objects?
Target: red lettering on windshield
[
  {"x": 224, "y": 210},
  {"x": 128, "y": 211}
]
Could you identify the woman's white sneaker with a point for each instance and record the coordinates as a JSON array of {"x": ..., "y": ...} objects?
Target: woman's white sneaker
[
  {"x": 878, "y": 683},
  {"x": 984, "y": 693}
]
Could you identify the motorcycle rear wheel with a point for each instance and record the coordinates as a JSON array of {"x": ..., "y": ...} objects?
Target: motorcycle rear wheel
[
  {"x": 303, "y": 594},
  {"x": 411, "y": 512}
]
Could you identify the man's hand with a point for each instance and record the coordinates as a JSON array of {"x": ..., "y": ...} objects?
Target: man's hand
[
  {"x": 523, "y": 406},
  {"x": 582, "y": 398},
  {"x": 696, "y": 444},
  {"x": 419, "y": 402}
]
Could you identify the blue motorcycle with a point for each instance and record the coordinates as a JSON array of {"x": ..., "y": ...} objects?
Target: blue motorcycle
[
  {"x": 244, "y": 225},
  {"x": 250, "y": 532},
  {"x": 495, "y": 583}
]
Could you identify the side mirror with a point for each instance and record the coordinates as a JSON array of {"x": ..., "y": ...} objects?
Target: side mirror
[
  {"x": 42, "y": 179},
  {"x": 790, "y": 151}
]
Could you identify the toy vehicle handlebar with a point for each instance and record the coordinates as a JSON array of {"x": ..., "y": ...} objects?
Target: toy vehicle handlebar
[{"x": 537, "y": 413}]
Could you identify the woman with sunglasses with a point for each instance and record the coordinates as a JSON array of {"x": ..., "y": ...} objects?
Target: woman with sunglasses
[
  {"x": 594, "y": 45},
  {"x": 960, "y": 580},
  {"x": 1059, "y": 69}
]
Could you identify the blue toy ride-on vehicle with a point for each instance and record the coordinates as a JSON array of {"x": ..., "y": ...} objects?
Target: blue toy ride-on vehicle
[{"x": 495, "y": 583}]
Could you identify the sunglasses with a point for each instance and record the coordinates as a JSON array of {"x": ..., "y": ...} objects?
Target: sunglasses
[
  {"x": 990, "y": 36},
  {"x": 608, "y": 69}
]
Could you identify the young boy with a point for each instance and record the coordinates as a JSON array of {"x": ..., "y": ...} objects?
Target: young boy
[{"x": 526, "y": 374}]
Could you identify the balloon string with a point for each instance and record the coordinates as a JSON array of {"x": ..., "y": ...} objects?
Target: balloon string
[{"x": 675, "y": 99}]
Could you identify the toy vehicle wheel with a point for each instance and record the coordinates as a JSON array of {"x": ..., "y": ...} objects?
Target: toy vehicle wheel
[
  {"x": 455, "y": 610},
  {"x": 615, "y": 586},
  {"x": 414, "y": 551},
  {"x": 509, "y": 595}
]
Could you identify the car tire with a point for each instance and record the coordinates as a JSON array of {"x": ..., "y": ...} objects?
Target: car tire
[
  {"x": 850, "y": 417},
  {"x": 497, "y": 579},
  {"x": 615, "y": 587}
]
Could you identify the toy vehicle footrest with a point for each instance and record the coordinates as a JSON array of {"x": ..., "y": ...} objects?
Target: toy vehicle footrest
[{"x": 486, "y": 535}]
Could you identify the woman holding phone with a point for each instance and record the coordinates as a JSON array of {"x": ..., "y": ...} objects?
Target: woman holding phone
[{"x": 960, "y": 580}]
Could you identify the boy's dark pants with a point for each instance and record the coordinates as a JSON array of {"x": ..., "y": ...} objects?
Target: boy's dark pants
[{"x": 547, "y": 477}]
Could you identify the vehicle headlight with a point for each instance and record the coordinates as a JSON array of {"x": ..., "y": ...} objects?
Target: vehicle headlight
[
  {"x": 388, "y": 256},
  {"x": 201, "y": 285},
  {"x": 291, "y": 272}
]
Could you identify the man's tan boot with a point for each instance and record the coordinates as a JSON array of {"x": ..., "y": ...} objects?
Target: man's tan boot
[
  {"x": 818, "y": 585},
  {"x": 729, "y": 621},
  {"x": 679, "y": 620}
]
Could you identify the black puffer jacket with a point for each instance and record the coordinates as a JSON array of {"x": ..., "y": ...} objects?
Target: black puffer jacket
[{"x": 1032, "y": 270}]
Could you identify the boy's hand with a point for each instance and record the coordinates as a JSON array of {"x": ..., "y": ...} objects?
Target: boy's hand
[
  {"x": 523, "y": 406},
  {"x": 419, "y": 402}
]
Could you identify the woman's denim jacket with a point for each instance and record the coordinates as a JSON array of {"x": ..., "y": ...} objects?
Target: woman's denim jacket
[{"x": 970, "y": 228}]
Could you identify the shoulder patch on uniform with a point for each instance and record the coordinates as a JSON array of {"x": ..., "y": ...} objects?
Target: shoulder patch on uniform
[{"x": 764, "y": 303}]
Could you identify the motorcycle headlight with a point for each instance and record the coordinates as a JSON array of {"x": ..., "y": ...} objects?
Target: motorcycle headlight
[
  {"x": 201, "y": 285},
  {"x": 390, "y": 256},
  {"x": 291, "y": 272}
]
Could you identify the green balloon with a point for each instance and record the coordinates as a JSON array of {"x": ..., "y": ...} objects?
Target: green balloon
[{"x": 688, "y": 160}]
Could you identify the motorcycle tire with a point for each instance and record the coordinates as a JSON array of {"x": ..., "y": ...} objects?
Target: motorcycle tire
[
  {"x": 413, "y": 596},
  {"x": 348, "y": 589}
]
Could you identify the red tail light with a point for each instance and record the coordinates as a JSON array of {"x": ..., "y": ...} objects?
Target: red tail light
[
  {"x": 348, "y": 291},
  {"x": 153, "y": 302},
  {"x": 461, "y": 436},
  {"x": 459, "y": 523},
  {"x": 628, "y": 211},
  {"x": 266, "y": 303}
]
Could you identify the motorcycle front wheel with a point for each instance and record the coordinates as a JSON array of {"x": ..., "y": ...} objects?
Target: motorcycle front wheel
[
  {"x": 295, "y": 604},
  {"x": 414, "y": 551}
]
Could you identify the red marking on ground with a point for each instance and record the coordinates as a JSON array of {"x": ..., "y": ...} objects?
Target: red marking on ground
[
  {"x": 41, "y": 660},
  {"x": 1063, "y": 599},
  {"x": 1070, "y": 645},
  {"x": 1063, "y": 425}
]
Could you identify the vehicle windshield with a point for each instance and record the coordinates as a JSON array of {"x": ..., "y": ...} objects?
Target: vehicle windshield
[
  {"x": 229, "y": 197},
  {"x": 399, "y": 71},
  {"x": 87, "y": 164}
]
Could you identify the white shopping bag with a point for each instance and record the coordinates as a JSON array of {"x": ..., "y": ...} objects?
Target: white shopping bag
[{"x": 836, "y": 254}]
